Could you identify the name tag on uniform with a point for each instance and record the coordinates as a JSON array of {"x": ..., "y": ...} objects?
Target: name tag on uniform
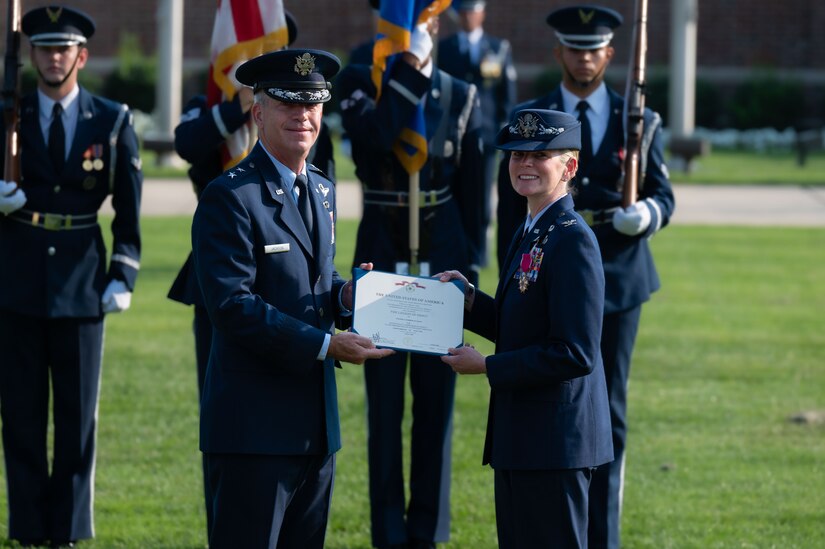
[{"x": 276, "y": 248}]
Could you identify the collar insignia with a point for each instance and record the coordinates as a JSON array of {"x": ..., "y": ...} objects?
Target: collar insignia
[{"x": 304, "y": 64}]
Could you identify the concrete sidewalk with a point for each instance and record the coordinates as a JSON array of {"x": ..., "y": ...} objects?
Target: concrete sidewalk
[{"x": 754, "y": 205}]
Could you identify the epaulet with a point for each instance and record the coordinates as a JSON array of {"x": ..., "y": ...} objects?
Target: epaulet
[
  {"x": 238, "y": 171},
  {"x": 565, "y": 221}
]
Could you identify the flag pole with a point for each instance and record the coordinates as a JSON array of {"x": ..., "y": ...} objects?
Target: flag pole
[{"x": 414, "y": 208}]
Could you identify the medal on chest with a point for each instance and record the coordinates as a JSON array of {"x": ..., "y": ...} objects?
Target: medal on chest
[{"x": 529, "y": 266}]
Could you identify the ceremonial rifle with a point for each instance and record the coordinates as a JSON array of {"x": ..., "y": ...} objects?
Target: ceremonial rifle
[
  {"x": 634, "y": 106},
  {"x": 11, "y": 94}
]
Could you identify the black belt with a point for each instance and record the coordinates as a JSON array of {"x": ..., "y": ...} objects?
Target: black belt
[
  {"x": 597, "y": 217},
  {"x": 426, "y": 199},
  {"x": 53, "y": 221}
]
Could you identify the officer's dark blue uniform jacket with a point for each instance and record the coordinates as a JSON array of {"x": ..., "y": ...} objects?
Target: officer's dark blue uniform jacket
[
  {"x": 271, "y": 296},
  {"x": 494, "y": 77},
  {"x": 630, "y": 273},
  {"x": 62, "y": 273},
  {"x": 548, "y": 401},
  {"x": 452, "y": 230}
]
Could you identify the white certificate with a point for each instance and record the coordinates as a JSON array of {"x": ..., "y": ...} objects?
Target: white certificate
[{"x": 408, "y": 313}]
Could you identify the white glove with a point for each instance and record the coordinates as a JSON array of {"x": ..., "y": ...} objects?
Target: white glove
[
  {"x": 633, "y": 220},
  {"x": 421, "y": 43},
  {"x": 116, "y": 298},
  {"x": 12, "y": 197}
]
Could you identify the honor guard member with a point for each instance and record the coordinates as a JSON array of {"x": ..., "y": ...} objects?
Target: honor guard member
[
  {"x": 486, "y": 61},
  {"x": 451, "y": 234},
  {"x": 548, "y": 424},
  {"x": 583, "y": 52},
  {"x": 199, "y": 138},
  {"x": 76, "y": 149},
  {"x": 263, "y": 244}
]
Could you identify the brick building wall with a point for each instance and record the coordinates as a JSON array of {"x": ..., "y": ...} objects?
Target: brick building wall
[
  {"x": 735, "y": 37},
  {"x": 732, "y": 33}
]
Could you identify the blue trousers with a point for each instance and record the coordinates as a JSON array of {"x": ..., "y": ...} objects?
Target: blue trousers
[
  {"x": 67, "y": 353},
  {"x": 270, "y": 502},
  {"x": 542, "y": 508},
  {"x": 618, "y": 337}
]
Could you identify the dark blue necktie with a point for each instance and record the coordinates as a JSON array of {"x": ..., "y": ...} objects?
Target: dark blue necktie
[
  {"x": 57, "y": 139},
  {"x": 586, "y": 154},
  {"x": 304, "y": 205}
]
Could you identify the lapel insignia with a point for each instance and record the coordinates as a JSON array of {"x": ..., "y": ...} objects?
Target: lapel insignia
[
  {"x": 568, "y": 222},
  {"x": 324, "y": 190},
  {"x": 279, "y": 192},
  {"x": 326, "y": 204}
]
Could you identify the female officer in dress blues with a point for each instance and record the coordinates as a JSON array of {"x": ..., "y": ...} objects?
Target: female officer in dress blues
[{"x": 549, "y": 422}]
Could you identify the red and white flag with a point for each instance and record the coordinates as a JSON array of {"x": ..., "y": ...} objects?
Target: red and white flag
[{"x": 243, "y": 29}]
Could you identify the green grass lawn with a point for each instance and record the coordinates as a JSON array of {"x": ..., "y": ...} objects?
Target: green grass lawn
[{"x": 729, "y": 349}]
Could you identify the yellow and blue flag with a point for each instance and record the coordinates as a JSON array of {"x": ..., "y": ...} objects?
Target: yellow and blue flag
[{"x": 397, "y": 19}]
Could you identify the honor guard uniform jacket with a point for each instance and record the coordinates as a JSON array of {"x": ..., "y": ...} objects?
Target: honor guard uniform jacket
[
  {"x": 52, "y": 249},
  {"x": 451, "y": 198}
]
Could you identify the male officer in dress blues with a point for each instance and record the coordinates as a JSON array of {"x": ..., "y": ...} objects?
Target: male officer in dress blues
[
  {"x": 549, "y": 418},
  {"x": 199, "y": 138},
  {"x": 263, "y": 242},
  {"x": 451, "y": 234},
  {"x": 486, "y": 61},
  {"x": 76, "y": 149},
  {"x": 583, "y": 52}
]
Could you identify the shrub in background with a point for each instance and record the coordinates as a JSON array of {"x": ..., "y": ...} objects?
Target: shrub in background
[
  {"x": 765, "y": 101},
  {"x": 133, "y": 81}
]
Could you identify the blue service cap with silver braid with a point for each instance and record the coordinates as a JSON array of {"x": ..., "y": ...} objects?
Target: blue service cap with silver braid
[
  {"x": 291, "y": 76},
  {"x": 540, "y": 130}
]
